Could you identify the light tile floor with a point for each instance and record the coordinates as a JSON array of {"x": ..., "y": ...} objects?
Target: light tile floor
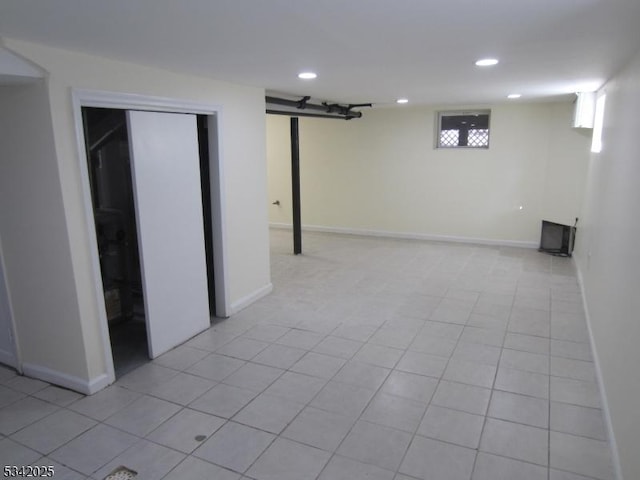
[{"x": 372, "y": 359}]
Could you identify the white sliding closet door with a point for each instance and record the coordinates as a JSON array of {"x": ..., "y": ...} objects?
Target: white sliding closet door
[{"x": 165, "y": 169}]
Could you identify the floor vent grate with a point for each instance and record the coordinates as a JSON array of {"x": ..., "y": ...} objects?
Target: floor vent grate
[{"x": 121, "y": 473}]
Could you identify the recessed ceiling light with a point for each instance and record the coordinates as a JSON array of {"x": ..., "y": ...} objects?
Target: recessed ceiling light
[
  {"x": 487, "y": 62},
  {"x": 307, "y": 75},
  {"x": 402, "y": 100},
  {"x": 514, "y": 95}
]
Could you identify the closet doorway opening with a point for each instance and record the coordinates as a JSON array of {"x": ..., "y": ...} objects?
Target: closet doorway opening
[{"x": 127, "y": 257}]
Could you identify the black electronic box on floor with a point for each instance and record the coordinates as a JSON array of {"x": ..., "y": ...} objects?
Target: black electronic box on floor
[{"x": 557, "y": 239}]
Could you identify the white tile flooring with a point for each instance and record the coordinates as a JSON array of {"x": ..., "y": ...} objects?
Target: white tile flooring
[{"x": 373, "y": 359}]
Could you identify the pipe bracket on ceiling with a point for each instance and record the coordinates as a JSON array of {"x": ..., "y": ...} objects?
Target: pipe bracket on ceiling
[{"x": 302, "y": 104}]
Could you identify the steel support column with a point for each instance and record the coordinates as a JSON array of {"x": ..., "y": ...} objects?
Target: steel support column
[{"x": 295, "y": 186}]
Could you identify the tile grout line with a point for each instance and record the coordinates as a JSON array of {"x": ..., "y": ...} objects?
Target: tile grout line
[{"x": 486, "y": 415}]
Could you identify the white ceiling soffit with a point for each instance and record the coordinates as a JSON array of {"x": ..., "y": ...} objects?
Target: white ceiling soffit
[
  {"x": 362, "y": 50},
  {"x": 16, "y": 70}
]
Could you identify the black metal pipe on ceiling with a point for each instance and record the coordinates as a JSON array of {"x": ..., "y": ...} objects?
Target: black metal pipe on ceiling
[
  {"x": 303, "y": 114},
  {"x": 340, "y": 111}
]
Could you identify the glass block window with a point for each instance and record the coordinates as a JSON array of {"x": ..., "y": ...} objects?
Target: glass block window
[{"x": 463, "y": 129}]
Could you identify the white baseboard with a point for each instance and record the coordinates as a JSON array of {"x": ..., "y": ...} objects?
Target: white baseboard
[
  {"x": 411, "y": 236},
  {"x": 252, "y": 297},
  {"x": 615, "y": 457},
  {"x": 87, "y": 387},
  {"x": 8, "y": 358},
  {"x": 280, "y": 226}
]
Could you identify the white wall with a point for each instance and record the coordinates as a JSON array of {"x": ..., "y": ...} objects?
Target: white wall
[
  {"x": 381, "y": 173},
  {"x": 608, "y": 258},
  {"x": 35, "y": 243},
  {"x": 242, "y": 142},
  {"x": 8, "y": 353}
]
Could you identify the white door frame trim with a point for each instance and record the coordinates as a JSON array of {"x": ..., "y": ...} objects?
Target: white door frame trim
[{"x": 126, "y": 101}]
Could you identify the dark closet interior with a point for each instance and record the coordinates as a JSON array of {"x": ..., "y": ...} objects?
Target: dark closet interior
[{"x": 107, "y": 146}]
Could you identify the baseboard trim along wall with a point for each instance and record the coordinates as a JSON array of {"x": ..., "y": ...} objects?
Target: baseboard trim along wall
[
  {"x": 87, "y": 387},
  {"x": 8, "y": 358},
  {"x": 411, "y": 236},
  {"x": 603, "y": 395},
  {"x": 252, "y": 297}
]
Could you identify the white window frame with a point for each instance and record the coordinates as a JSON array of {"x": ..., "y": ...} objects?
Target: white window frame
[{"x": 451, "y": 113}]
